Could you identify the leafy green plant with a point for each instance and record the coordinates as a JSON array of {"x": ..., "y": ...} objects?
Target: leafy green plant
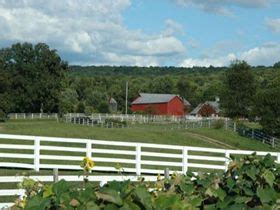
[
  {"x": 3, "y": 116},
  {"x": 249, "y": 183}
]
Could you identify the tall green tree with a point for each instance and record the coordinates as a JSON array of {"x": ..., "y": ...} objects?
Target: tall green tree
[
  {"x": 239, "y": 90},
  {"x": 187, "y": 89},
  {"x": 162, "y": 85},
  {"x": 36, "y": 73},
  {"x": 267, "y": 107},
  {"x": 276, "y": 65}
]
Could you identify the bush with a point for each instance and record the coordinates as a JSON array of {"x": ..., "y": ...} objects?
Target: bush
[
  {"x": 3, "y": 116},
  {"x": 249, "y": 183},
  {"x": 218, "y": 124},
  {"x": 115, "y": 122}
]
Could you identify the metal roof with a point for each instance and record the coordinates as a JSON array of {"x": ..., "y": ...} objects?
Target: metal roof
[
  {"x": 112, "y": 101},
  {"x": 213, "y": 104},
  {"x": 153, "y": 98}
]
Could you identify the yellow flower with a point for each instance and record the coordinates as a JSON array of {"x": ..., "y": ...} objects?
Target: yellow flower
[
  {"x": 87, "y": 164},
  {"x": 158, "y": 177}
]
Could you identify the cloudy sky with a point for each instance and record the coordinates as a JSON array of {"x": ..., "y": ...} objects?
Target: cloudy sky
[{"x": 147, "y": 32}]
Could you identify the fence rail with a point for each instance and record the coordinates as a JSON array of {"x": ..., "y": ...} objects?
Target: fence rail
[
  {"x": 18, "y": 116},
  {"x": 136, "y": 159},
  {"x": 37, "y": 152}
]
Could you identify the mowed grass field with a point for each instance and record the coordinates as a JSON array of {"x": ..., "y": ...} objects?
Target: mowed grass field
[{"x": 152, "y": 133}]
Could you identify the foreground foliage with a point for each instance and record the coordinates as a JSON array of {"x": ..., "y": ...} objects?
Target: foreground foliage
[{"x": 249, "y": 183}]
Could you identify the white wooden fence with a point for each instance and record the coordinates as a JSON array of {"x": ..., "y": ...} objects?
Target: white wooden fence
[
  {"x": 19, "y": 116},
  {"x": 127, "y": 117},
  {"x": 136, "y": 159}
]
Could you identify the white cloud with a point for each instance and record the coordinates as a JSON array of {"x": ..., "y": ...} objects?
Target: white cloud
[
  {"x": 267, "y": 54},
  {"x": 273, "y": 24},
  {"x": 173, "y": 27},
  {"x": 217, "y": 61},
  {"x": 223, "y": 6},
  {"x": 87, "y": 31}
]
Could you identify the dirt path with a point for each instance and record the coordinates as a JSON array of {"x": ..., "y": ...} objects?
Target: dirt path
[{"x": 211, "y": 140}]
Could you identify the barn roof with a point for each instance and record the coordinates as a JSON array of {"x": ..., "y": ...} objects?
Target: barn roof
[
  {"x": 186, "y": 103},
  {"x": 153, "y": 98},
  {"x": 112, "y": 101},
  {"x": 213, "y": 104}
]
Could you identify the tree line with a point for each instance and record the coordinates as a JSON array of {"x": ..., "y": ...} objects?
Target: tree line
[{"x": 34, "y": 78}]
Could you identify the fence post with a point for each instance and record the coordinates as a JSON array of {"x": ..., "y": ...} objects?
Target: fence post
[
  {"x": 273, "y": 142},
  {"x": 55, "y": 175},
  {"x": 37, "y": 154},
  {"x": 234, "y": 126},
  {"x": 88, "y": 149},
  {"x": 166, "y": 173},
  {"x": 138, "y": 159},
  {"x": 253, "y": 134},
  {"x": 227, "y": 156},
  {"x": 278, "y": 158},
  {"x": 185, "y": 160},
  {"x": 226, "y": 123}
]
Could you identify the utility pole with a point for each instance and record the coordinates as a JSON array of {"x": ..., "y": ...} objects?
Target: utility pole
[{"x": 126, "y": 95}]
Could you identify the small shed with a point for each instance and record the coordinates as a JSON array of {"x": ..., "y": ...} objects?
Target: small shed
[
  {"x": 207, "y": 109},
  {"x": 159, "y": 104},
  {"x": 113, "y": 105}
]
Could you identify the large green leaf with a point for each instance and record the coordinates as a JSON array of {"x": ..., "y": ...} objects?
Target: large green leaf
[
  {"x": 251, "y": 172},
  {"x": 267, "y": 194},
  {"x": 109, "y": 195},
  {"x": 166, "y": 201},
  {"x": 269, "y": 177},
  {"x": 143, "y": 196},
  {"x": 187, "y": 188},
  {"x": 91, "y": 206}
]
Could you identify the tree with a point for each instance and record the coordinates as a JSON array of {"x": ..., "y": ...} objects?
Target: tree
[
  {"x": 68, "y": 101},
  {"x": 276, "y": 65},
  {"x": 267, "y": 108},
  {"x": 36, "y": 74},
  {"x": 162, "y": 85},
  {"x": 186, "y": 89},
  {"x": 239, "y": 90}
]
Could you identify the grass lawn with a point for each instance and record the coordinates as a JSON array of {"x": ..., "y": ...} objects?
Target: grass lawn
[
  {"x": 142, "y": 133},
  {"x": 159, "y": 134}
]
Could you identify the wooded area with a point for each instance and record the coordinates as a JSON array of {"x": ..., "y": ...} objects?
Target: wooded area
[{"x": 33, "y": 78}]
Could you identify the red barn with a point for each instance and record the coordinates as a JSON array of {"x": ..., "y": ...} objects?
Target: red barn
[{"x": 159, "y": 104}]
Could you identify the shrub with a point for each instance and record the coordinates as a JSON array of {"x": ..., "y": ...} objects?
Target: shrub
[
  {"x": 3, "y": 116},
  {"x": 218, "y": 124},
  {"x": 249, "y": 183},
  {"x": 115, "y": 122}
]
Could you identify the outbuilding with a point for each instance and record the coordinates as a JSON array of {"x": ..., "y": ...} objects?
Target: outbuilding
[
  {"x": 159, "y": 104},
  {"x": 207, "y": 109}
]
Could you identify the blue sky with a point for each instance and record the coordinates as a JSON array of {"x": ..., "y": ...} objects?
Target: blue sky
[{"x": 148, "y": 32}]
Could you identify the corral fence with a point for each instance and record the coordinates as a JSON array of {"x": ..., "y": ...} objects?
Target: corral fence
[
  {"x": 21, "y": 116},
  {"x": 133, "y": 118},
  {"x": 174, "y": 122},
  {"x": 256, "y": 134},
  {"x": 132, "y": 158}
]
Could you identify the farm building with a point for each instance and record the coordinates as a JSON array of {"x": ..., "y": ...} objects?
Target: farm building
[
  {"x": 160, "y": 104},
  {"x": 207, "y": 109},
  {"x": 113, "y": 105}
]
